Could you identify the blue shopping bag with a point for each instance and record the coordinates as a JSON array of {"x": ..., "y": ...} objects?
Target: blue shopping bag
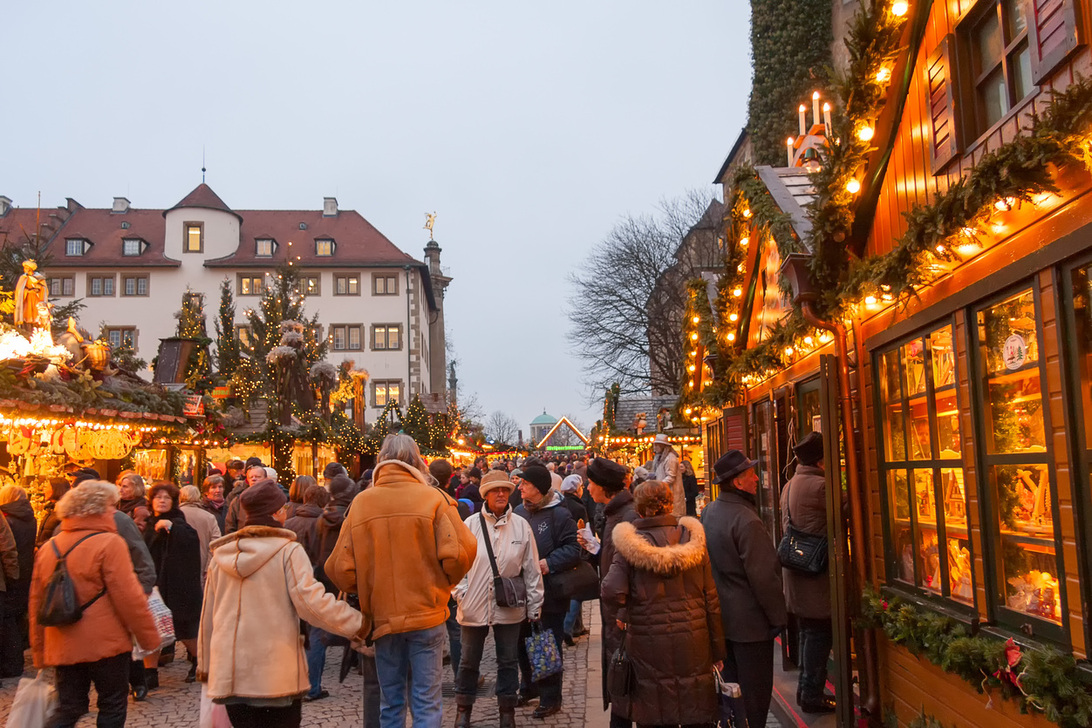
[{"x": 542, "y": 652}]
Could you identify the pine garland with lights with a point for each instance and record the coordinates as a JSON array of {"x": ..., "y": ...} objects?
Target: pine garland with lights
[
  {"x": 1040, "y": 680},
  {"x": 227, "y": 344}
]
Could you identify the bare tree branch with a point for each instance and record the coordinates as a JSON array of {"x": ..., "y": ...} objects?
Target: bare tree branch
[
  {"x": 502, "y": 428},
  {"x": 629, "y": 297}
]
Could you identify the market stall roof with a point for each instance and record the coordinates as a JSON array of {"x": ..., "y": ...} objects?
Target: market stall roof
[{"x": 625, "y": 416}]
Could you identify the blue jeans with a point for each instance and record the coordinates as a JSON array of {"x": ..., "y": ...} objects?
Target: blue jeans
[
  {"x": 316, "y": 660},
  {"x": 572, "y": 617},
  {"x": 418, "y": 656}
]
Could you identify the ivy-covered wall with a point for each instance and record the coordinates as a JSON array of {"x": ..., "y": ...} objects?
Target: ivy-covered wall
[{"x": 791, "y": 47}]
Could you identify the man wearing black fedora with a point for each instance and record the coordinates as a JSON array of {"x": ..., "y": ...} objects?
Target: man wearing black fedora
[{"x": 747, "y": 573}]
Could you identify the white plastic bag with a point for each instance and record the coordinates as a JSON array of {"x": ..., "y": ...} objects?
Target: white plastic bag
[
  {"x": 35, "y": 700},
  {"x": 164, "y": 623},
  {"x": 213, "y": 715}
]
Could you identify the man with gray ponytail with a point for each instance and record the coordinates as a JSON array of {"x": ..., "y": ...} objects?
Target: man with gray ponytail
[{"x": 402, "y": 549}]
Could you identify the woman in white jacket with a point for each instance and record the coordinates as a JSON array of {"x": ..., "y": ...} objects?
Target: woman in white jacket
[
  {"x": 260, "y": 584},
  {"x": 516, "y": 554}
]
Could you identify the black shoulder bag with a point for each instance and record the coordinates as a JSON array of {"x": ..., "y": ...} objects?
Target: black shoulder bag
[
  {"x": 508, "y": 592},
  {"x": 799, "y": 551},
  {"x": 60, "y": 606}
]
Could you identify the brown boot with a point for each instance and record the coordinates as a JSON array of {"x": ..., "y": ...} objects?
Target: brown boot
[
  {"x": 462, "y": 715},
  {"x": 507, "y": 705}
]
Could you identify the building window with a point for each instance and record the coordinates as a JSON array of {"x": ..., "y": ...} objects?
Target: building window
[
  {"x": 62, "y": 286},
  {"x": 384, "y": 392},
  {"x": 1017, "y": 458},
  {"x": 194, "y": 241},
  {"x": 100, "y": 285},
  {"x": 1079, "y": 303},
  {"x": 119, "y": 336},
  {"x": 347, "y": 285},
  {"x": 134, "y": 285},
  {"x": 921, "y": 466},
  {"x": 246, "y": 339},
  {"x": 75, "y": 246},
  {"x": 999, "y": 61},
  {"x": 250, "y": 285},
  {"x": 324, "y": 247},
  {"x": 387, "y": 337},
  {"x": 263, "y": 247},
  {"x": 384, "y": 285},
  {"x": 311, "y": 285},
  {"x": 132, "y": 246},
  {"x": 346, "y": 337}
]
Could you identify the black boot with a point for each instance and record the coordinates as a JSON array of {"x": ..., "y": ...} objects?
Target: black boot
[
  {"x": 151, "y": 677},
  {"x": 191, "y": 676},
  {"x": 462, "y": 715},
  {"x": 507, "y": 706}
]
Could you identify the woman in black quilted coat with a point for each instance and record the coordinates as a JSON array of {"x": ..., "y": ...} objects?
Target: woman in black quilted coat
[{"x": 662, "y": 586}]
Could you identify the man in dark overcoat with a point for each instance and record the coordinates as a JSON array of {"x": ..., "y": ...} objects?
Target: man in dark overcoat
[{"x": 747, "y": 573}]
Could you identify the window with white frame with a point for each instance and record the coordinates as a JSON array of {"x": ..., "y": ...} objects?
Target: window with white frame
[
  {"x": 99, "y": 285},
  {"x": 132, "y": 247},
  {"x": 324, "y": 247},
  {"x": 62, "y": 286},
  {"x": 310, "y": 285},
  {"x": 386, "y": 391},
  {"x": 384, "y": 285},
  {"x": 387, "y": 337},
  {"x": 75, "y": 246},
  {"x": 119, "y": 336},
  {"x": 251, "y": 285},
  {"x": 346, "y": 337},
  {"x": 347, "y": 285},
  {"x": 134, "y": 285},
  {"x": 263, "y": 247}
]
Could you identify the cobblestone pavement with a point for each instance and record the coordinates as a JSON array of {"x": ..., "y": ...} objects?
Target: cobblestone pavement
[{"x": 176, "y": 704}]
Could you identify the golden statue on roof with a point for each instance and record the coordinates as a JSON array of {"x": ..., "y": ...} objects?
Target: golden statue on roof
[
  {"x": 430, "y": 220},
  {"x": 32, "y": 307}
]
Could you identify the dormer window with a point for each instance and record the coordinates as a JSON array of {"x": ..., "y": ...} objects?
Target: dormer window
[
  {"x": 132, "y": 246},
  {"x": 75, "y": 246},
  {"x": 324, "y": 247},
  {"x": 263, "y": 247}
]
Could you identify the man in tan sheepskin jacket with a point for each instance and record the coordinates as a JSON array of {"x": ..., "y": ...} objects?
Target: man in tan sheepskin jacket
[{"x": 402, "y": 549}]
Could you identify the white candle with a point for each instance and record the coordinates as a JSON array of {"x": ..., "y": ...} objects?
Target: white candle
[
  {"x": 826, "y": 118},
  {"x": 788, "y": 150},
  {"x": 815, "y": 108},
  {"x": 803, "y": 120}
]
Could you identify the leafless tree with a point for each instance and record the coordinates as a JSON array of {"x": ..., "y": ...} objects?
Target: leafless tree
[
  {"x": 630, "y": 295},
  {"x": 502, "y": 428}
]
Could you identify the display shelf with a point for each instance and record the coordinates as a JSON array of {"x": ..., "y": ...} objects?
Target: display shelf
[{"x": 1038, "y": 544}]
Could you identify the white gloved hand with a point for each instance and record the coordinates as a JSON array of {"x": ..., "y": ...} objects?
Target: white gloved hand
[{"x": 588, "y": 540}]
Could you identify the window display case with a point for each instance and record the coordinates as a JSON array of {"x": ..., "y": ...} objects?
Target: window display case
[
  {"x": 929, "y": 546},
  {"x": 1018, "y": 459}
]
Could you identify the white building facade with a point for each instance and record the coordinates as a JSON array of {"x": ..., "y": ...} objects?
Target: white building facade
[{"x": 381, "y": 309}]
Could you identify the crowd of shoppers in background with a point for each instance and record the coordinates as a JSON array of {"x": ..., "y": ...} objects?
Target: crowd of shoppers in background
[{"x": 405, "y": 563}]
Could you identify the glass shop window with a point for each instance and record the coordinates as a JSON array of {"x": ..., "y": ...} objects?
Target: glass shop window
[
  {"x": 928, "y": 547},
  {"x": 1081, "y": 404},
  {"x": 1017, "y": 459}
]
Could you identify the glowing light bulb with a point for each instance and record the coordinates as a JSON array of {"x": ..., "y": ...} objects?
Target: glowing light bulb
[
  {"x": 747, "y": 212},
  {"x": 899, "y": 8},
  {"x": 694, "y": 337},
  {"x": 883, "y": 75},
  {"x": 688, "y": 410},
  {"x": 696, "y": 319},
  {"x": 691, "y": 367},
  {"x": 731, "y": 336},
  {"x": 808, "y": 341},
  {"x": 853, "y": 187},
  {"x": 870, "y": 300},
  {"x": 1005, "y": 204},
  {"x": 865, "y": 133},
  {"x": 743, "y": 242},
  {"x": 737, "y": 292},
  {"x": 733, "y": 317},
  {"x": 788, "y": 351}
]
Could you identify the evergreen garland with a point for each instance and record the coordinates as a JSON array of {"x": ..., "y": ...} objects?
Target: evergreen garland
[
  {"x": 1040, "y": 680},
  {"x": 788, "y": 37}
]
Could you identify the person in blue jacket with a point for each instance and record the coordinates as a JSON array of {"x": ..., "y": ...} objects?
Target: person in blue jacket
[{"x": 558, "y": 551}]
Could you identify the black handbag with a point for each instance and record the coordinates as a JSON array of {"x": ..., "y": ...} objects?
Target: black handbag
[
  {"x": 800, "y": 551},
  {"x": 580, "y": 583},
  {"x": 621, "y": 677},
  {"x": 507, "y": 591}
]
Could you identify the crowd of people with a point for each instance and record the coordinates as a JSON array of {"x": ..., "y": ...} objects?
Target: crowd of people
[{"x": 413, "y": 560}]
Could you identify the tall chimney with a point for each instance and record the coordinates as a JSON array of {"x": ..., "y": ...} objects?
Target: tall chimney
[
  {"x": 329, "y": 207},
  {"x": 5, "y": 205},
  {"x": 121, "y": 204}
]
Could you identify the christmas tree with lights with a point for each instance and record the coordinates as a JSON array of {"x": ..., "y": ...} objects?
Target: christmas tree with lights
[
  {"x": 227, "y": 344},
  {"x": 191, "y": 325}
]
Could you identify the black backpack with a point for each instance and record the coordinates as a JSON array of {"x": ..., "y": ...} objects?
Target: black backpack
[{"x": 59, "y": 606}]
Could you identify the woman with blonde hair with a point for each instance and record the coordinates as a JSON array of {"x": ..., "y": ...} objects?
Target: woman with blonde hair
[
  {"x": 133, "y": 503},
  {"x": 662, "y": 585}
]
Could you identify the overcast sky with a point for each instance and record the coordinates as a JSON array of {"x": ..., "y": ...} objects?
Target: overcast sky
[{"x": 530, "y": 128}]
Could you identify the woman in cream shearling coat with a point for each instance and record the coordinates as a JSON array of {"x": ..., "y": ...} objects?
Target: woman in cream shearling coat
[{"x": 260, "y": 584}]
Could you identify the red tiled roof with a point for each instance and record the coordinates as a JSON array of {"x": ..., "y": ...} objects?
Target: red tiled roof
[
  {"x": 19, "y": 225},
  {"x": 203, "y": 196},
  {"x": 103, "y": 229},
  {"x": 356, "y": 241}
]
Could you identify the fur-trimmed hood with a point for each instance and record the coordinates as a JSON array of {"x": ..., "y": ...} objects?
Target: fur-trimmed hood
[
  {"x": 247, "y": 550},
  {"x": 664, "y": 560}
]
